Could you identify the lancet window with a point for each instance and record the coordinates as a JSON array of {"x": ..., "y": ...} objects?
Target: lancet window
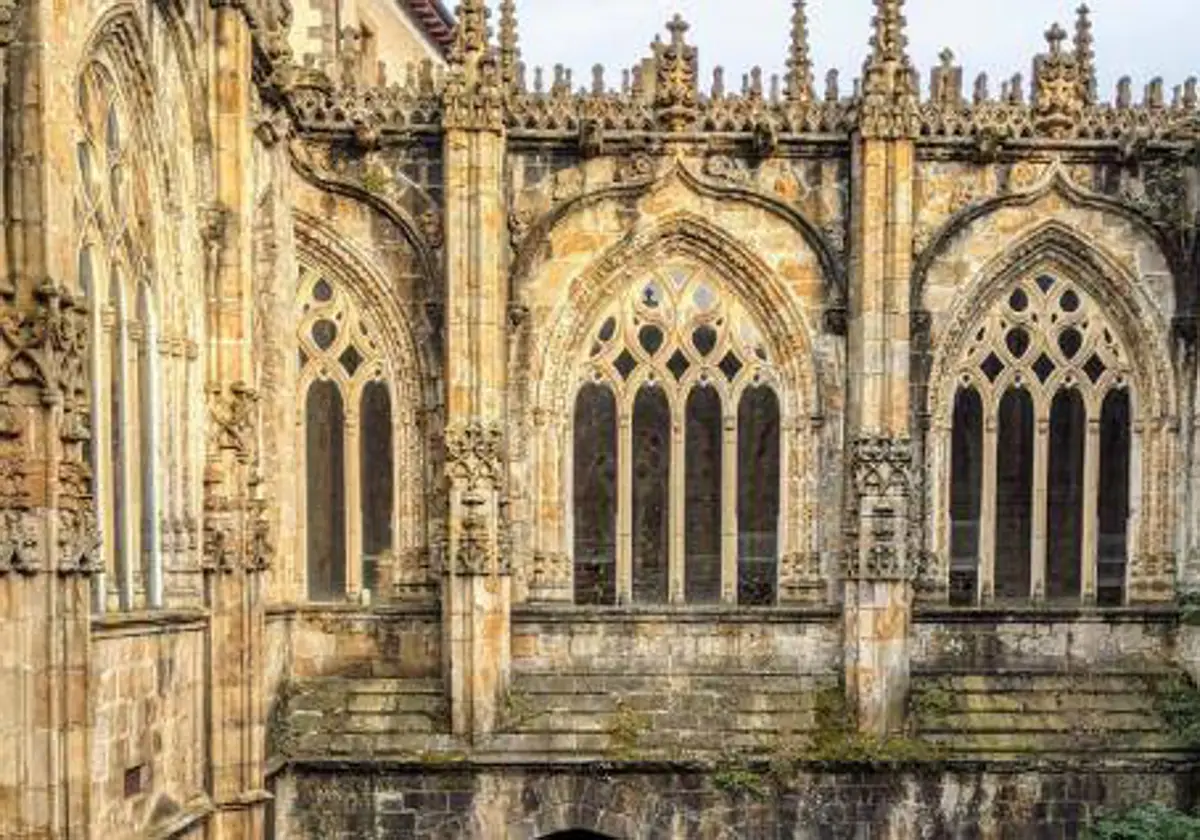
[
  {"x": 115, "y": 275},
  {"x": 1042, "y": 448},
  {"x": 676, "y": 454},
  {"x": 349, "y": 488}
]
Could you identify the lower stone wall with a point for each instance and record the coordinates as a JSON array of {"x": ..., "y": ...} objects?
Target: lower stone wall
[
  {"x": 642, "y": 640},
  {"x": 890, "y": 803},
  {"x": 1043, "y": 638},
  {"x": 147, "y": 724},
  {"x": 336, "y": 641}
]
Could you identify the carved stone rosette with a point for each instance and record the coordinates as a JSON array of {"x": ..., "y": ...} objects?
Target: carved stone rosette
[{"x": 877, "y": 536}]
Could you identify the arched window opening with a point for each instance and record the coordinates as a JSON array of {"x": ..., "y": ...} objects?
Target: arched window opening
[
  {"x": 651, "y": 496},
  {"x": 1064, "y": 502},
  {"x": 325, "y": 424},
  {"x": 702, "y": 506},
  {"x": 966, "y": 471},
  {"x": 119, "y": 536},
  {"x": 758, "y": 496},
  {"x": 595, "y": 495},
  {"x": 350, "y": 446},
  {"x": 671, "y": 501},
  {"x": 377, "y": 483},
  {"x": 148, "y": 411},
  {"x": 1113, "y": 507},
  {"x": 1040, "y": 450}
]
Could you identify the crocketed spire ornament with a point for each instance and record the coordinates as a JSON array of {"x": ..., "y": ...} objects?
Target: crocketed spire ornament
[
  {"x": 800, "y": 75},
  {"x": 1059, "y": 88},
  {"x": 889, "y": 94},
  {"x": 510, "y": 50},
  {"x": 472, "y": 96},
  {"x": 675, "y": 99},
  {"x": 1085, "y": 55}
]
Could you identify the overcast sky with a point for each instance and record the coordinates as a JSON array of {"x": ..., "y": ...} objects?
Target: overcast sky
[{"x": 1139, "y": 38}]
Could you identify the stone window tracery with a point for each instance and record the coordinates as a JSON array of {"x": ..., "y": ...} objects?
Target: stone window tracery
[
  {"x": 115, "y": 274},
  {"x": 676, "y": 454},
  {"x": 1041, "y": 451},
  {"x": 349, "y": 492}
]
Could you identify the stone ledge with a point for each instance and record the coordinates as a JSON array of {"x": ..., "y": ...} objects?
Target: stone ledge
[
  {"x": 573, "y": 614},
  {"x": 148, "y": 623},
  {"x": 1032, "y": 614},
  {"x": 193, "y": 813},
  {"x": 354, "y": 611}
]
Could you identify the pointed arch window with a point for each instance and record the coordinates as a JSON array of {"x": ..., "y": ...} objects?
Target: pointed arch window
[
  {"x": 677, "y": 449},
  {"x": 350, "y": 489},
  {"x": 114, "y": 276},
  {"x": 1040, "y": 451}
]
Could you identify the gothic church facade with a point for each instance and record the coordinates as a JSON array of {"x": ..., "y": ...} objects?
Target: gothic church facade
[{"x": 398, "y": 441}]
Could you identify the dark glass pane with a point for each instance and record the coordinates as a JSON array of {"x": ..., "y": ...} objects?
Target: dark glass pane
[
  {"x": 322, "y": 291},
  {"x": 704, "y": 339},
  {"x": 702, "y": 506},
  {"x": 1069, "y": 341},
  {"x": 595, "y": 496},
  {"x": 1014, "y": 495},
  {"x": 1113, "y": 508},
  {"x": 966, "y": 474},
  {"x": 326, "y": 499},
  {"x": 1017, "y": 341},
  {"x": 651, "y": 339},
  {"x": 324, "y": 333},
  {"x": 651, "y": 479},
  {"x": 758, "y": 496},
  {"x": 1064, "y": 490},
  {"x": 376, "y": 482}
]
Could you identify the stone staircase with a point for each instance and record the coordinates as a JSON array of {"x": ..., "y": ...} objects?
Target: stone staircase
[
  {"x": 628, "y": 715},
  {"x": 1021, "y": 713},
  {"x": 363, "y": 717}
]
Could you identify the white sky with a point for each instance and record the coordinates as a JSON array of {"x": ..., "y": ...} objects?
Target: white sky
[{"x": 1139, "y": 38}]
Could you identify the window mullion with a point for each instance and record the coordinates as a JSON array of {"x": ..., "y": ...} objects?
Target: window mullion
[
  {"x": 354, "y": 509},
  {"x": 1041, "y": 466},
  {"x": 1090, "y": 555},
  {"x": 625, "y": 506},
  {"x": 987, "y": 507},
  {"x": 677, "y": 496},
  {"x": 729, "y": 494}
]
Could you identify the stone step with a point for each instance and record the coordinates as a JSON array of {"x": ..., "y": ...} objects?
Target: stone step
[
  {"x": 716, "y": 704},
  {"x": 656, "y": 744},
  {"x": 1042, "y": 701},
  {"x": 1054, "y": 742},
  {"x": 999, "y": 683},
  {"x": 375, "y": 745},
  {"x": 593, "y": 683},
  {"x": 663, "y": 722},
  {"x": 984, "y": 722},
  {"x": 394, "y": 703}
]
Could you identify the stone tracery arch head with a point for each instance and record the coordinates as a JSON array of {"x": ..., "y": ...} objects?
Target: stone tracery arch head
[
  {"x": 678, "y": 328},
  {"x": 681, "y": 238},
  {"x": 1111, "y": 310}
]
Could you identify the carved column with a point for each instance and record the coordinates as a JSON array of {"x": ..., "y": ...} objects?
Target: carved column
[
  {"x": 476, "y": 590},
  {"x": 236, "y": 549},
  {"x": 48, "y": 540},
  {"x": 879, "y": 568}
]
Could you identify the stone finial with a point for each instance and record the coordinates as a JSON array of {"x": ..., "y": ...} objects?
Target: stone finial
[
  {"x": 831, "y": 86},
  {"x": 799, "y": 63},
  {"x": 598, "y": 79},
  {"x": 981, "y": 89},
  {"x": 539, "y": 80},
  {"x": 718, "y": 82},
  {"x": 945, "y": 81},
  {"x": 756, "y": 83},
  {"x": 471, "y": 35},
  {"x": 1124, "y": 92},
  {"x": 1085, "y": 56},
  {"x": 510, "y": 50},
  {"x": 889, "y": 43},
  {"x": 1190, "y": 98},
  {"x": 675, "y": 97},
  {"x": 1154, "y": 93}
]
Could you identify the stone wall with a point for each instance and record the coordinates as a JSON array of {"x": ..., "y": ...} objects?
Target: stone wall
[
  {"x": 148, "y": 723},
  {"x": 349, "y": 642},
  {"x": 809, "y": 803},
  {"x": 548, "y": 641}
]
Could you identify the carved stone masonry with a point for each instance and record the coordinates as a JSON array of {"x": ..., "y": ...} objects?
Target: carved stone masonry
[
  {"x": 675, "y": 91},
  {"x": 473, "y": 454},
  {"x": 877, "y": 539}
]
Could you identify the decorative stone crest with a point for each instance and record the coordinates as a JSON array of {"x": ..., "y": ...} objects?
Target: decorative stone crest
[{"x": 1059, "y": 89}]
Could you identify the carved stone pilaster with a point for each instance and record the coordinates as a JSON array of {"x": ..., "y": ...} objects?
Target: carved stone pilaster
[
  {"x": 237, "y": 532},
  {"x": 477, "y": 525}
]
